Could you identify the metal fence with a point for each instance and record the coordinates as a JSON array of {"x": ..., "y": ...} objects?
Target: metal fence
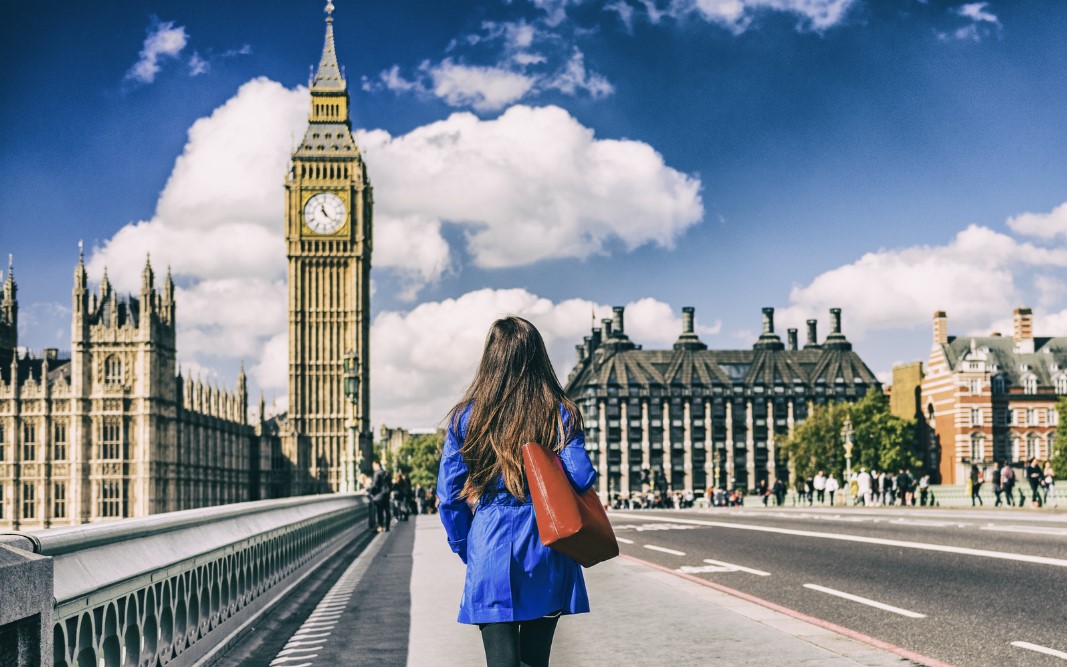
[{"x": 170, "y": 589}]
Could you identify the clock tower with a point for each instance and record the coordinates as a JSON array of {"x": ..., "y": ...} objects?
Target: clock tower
[{"x": 328, "y": 219}]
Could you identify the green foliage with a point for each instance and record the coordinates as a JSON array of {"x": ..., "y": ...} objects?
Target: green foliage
[
  {"x": 420, "y": 457},
  {"x": 1059, "y": 454},
  {"x": 880, "y": 441}
]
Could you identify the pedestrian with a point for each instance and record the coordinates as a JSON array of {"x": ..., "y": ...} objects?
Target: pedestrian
[
  {"x": 1035, "y": 476},
  {"x": 380, "y": 488},
  {"x": 516, "y": 588},
  {"x": 924, "y": 488},
  {"x": 854, "y": 489},
  {"x": 820, "y": 487},
  {"x": 801, "y": 490},
  {"x": 764, "y": 492},
  {"x": 863, "y": 487},
  {"x": 994, "y": 479},
  {"x": 809, "y": 489},
  {"x": 974, "y": 485},
  {"x": 779, "y": 492},
  {"x": 1050, "y": 485},
  {"x": 903, "y": 487},
  {"x": 831, "y": 487},
  {"x": 1007, "y": 481}
]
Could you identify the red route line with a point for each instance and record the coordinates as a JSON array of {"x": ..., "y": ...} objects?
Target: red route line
[{"x": 852, "y": 634}]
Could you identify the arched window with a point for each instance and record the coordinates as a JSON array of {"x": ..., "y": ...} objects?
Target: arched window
[
  {"x": 1016, "y": 447},
  {"x": 998, "y": 384},
  {"x": 977, "y": 447},
  {"x": 113, "y": 370},
  {"x": 1031, "y": 446}
]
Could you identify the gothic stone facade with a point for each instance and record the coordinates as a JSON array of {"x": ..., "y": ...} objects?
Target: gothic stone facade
[
  {"x": 328, "y": 222},
  {"x": 114, "y": 430},
  {"x": 690, "y": 417},
  {"x": 992, "y": 398}
]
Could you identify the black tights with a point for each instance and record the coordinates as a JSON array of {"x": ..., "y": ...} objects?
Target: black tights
[{"x": 518, "y": 643}]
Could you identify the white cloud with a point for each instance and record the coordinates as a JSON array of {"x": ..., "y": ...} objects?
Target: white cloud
[
  {"x": 574, "y": 77},
  {"x": 164, "y": 40},
  {"x": 481, "y": 88},
  {"x": 977, "y": 12},
  {"x": 218, "y": 221},
  {"x": 533, "y": 184},
  {"x": 974, "y": 277},
  {"x": 982, "y": 23},
  {"x": 1041, "y": 225},
  {"x": 423, "y": 360},
  {"x": 738, "y": 15},
  {"x": 197, "y": 65}
]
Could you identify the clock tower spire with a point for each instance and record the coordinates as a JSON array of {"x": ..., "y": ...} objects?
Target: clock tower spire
[{"x": 328, "y": 221}]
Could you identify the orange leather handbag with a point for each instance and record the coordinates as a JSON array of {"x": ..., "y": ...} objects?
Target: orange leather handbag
[{"x": 573, "y": 524}]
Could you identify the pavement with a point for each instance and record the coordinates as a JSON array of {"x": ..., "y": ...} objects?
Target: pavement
[{"x": 396, "y": 604}]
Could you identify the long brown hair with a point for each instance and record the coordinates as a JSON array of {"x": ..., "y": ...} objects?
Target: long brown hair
[{"x": 515, "y": 398}]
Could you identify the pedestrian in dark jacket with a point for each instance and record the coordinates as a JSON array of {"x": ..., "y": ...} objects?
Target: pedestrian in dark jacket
[
  {"x": 380, "y": 487},
  {"x": 998, "y": 490},
  {"x": 516, "y": 588},
  {"x": 1035, "y": 475}
]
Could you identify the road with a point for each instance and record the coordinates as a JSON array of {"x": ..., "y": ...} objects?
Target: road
[{"x": 965, "y": 587}]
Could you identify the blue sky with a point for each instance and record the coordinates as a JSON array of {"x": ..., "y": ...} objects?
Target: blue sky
[{"x": 550, "y": 157}]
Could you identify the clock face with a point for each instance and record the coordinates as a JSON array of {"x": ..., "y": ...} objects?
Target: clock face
[{"x": 324, "y": 213}]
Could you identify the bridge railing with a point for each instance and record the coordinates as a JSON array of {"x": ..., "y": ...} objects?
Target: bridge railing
[{"x": 176, "y": 588}]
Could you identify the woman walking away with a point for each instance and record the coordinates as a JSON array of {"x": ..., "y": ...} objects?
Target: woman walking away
[
  {"x": 1035, "y": 475},
  {"x": 975, "y": 485},
  {"x": 516, "y": 588}
]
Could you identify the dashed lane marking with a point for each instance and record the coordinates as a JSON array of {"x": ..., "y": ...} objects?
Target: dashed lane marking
[
  {"x": 863, "y": 539},
  {"x": 624, "y": 540},
  {"x": 867, "y": 601},
  {"x": 664, "y": 550},
  {"x": 1034, "y": 530},
  {"x": 1041, "y": 649},
  {"x": 740, "y": 568},
  {"x": 319, "y": 624}
]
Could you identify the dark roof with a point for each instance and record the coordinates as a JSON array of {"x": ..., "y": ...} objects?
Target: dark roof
[{"x": 1005, "y": 361}]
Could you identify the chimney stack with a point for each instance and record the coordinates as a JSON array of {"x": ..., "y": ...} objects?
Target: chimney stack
[
  {"x": 835, "y": 321},
  {"x": 940, "y": 328},
  {"x": 1023, "y": 320},
  {"x": 580, "y": 351},
  {"x": 606, "y": 327},
  {"x": 595, "y": 343},
  {"x": 791, "y": 336},
  {"x": 768, "y": 320},
  {"x": 813, "y": 336},
  {"x": 688, "y": 339},
  {"x": 687, "y": 319},
  {"x": 618, "y": 324}
]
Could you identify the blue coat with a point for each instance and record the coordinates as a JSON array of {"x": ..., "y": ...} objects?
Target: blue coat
[{"x": 511, "y": 576}]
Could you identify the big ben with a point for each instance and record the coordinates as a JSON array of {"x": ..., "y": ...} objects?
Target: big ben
[{"x": 328, "y": 221}]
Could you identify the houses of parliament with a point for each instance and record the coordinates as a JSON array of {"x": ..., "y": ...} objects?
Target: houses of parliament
[{"x": 114, "y": 429}]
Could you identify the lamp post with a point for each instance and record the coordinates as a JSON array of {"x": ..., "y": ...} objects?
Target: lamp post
[
  {"x": 846, "y": 436},
  {"x": 351, "y": 387}
]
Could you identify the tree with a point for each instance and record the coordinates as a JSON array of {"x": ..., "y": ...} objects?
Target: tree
[
  {"x": 1059, "y": 448},
  {"x": 880, "y": 440},
  {"x": 420, "y": 458}
]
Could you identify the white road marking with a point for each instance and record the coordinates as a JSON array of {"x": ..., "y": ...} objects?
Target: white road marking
[
  {"x": 1035, "y": 530},
  {"x": 704, "y": 569},
  {"x": 866, "y": 601},
  {"x": 740, "y": 568},
  {"x": 624, "y": 540},
  {"x": 927, "y": 522},
  {"x": 1041, "y": 649},
  {"x": 923, "y": 546},
  {"x": 664, "y": 550}
]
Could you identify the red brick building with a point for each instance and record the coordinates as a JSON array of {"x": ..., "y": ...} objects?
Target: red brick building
[{"x": 992, "y": 398}]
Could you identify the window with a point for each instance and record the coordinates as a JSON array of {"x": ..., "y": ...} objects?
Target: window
[
  {"x": 29, "y": 501},
  {"x": 59, "y": 500},
  {"x": 111, "y": 499},
  {"x": 1031, "y": 385},
  {"x": 1052, "y": 417},
  {"x": 110, "y": 439},
  {"x": 113, "y": 370},
  {"x": 976, "y": 386},
  {"x": 29, "y": 442},
  {"x": 998, "y": 385},
  {"x": 1, "y": 502},
  {"x": 1061, "y": 384},
  {"x": 59, "y": 440},
  {"x": 1016, "y": 446},
  {"x": 1031, "y": 446},
  {"x": 2, "y": 430},
  {"x": 1031, "y": 417},
  {"x": 1017, "y": 417},
  {"x": 977, "y": 446},
  {"x": 976, "y": 416},
  {"x": 999, "y": 417}
]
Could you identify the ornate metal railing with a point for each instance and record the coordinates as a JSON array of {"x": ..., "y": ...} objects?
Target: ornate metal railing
[{"x": 170, "y": 588}]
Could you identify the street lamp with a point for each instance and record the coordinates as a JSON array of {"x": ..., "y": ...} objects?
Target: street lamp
[
  {"x": 846, "y": 435},
  {"x": 351, "y": 388}
]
